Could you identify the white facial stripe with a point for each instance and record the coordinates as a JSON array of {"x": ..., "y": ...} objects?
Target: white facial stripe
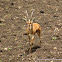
[{"x": 29, "y": 20}]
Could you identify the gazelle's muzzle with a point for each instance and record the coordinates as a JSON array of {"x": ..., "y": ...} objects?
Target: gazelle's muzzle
[{"x": 29, "y": 26}]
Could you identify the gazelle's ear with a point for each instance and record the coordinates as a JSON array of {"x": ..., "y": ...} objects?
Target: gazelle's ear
[
  {"x": 31, "y": 21},
  {"x": 33, "y": 18},
  {"x": 24, "y": 19}
]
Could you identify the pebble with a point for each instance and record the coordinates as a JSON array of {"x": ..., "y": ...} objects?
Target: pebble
[
  {"x": 6, "y": 49},
  {"x": 19, "y": 7},
  {"x": 51, "y": 52},
  {"x": 2, "y": 20},
  {"x": 59, "y": 20},
  {"x": 29, "y": 59},
  {"x": 1, "y": 9},
  {"x": 56, "y": 29},
  {"x": 52, "y": 61},
  {"x": 44, "y": 52},
  {"x": 55, "y": 48},
  {"x": 34, "y": 59},
  {"x": 23, "y": 59}
]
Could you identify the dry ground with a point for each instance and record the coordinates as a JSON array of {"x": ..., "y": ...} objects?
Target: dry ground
[{"x": 14, "y": 44}]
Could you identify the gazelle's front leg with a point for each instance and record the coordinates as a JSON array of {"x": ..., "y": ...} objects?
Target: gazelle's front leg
[
  {"x": 31, "y": 42},
  {"x": 29, "y": 38},
  {"x": 32, "y": 39}
]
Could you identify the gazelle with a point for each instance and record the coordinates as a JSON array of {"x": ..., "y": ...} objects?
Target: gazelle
[{"x": 32, "y": 28}]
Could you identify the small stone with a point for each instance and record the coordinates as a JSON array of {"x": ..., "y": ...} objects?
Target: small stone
[
  {"x": 19, "y": 7},
  {"x": 6, "y": 49},
  {"x": 51, "y": 52},
  {"x": 14, "y": 18},
  {"x": 58, "y": 53},
  {"x": 44, "y": 52},
  {"x": 55, "y": 47},
  {"x": 34, "y": 59},
  {"x": 52, "y": 61},
  {"x": 15, "y": 39},
  {"x": 23, "y": 59},
  {"x": 29, "y": 59},
  {"x": 59, "y": 20},
  {"x": 2, "y": 20},
  {"x": 27, "y": 42},
  {"x": 1, "y": 9}
]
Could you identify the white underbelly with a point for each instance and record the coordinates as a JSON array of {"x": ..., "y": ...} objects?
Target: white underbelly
[{"x": 31, "y": 36}]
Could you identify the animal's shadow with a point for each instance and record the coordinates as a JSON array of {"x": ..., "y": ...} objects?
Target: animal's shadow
[{"x": 33, "y": 49}]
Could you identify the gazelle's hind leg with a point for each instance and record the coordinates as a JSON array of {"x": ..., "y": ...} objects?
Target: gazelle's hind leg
[{"x": 39, "y": 33}]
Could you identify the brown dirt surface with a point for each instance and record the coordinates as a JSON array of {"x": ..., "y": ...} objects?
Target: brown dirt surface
[{"x": 14, "y": 43}]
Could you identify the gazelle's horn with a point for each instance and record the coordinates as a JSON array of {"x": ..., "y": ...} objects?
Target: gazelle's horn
[
  {"x": 25, "y": 17},
  {"x": 26, "y": 13},
  {"x": 32, "y": 12}
]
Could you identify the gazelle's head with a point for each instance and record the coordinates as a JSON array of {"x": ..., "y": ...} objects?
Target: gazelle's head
[
  {"x": 29, "y": 24},
  {"x": 29, "y": 21}
]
